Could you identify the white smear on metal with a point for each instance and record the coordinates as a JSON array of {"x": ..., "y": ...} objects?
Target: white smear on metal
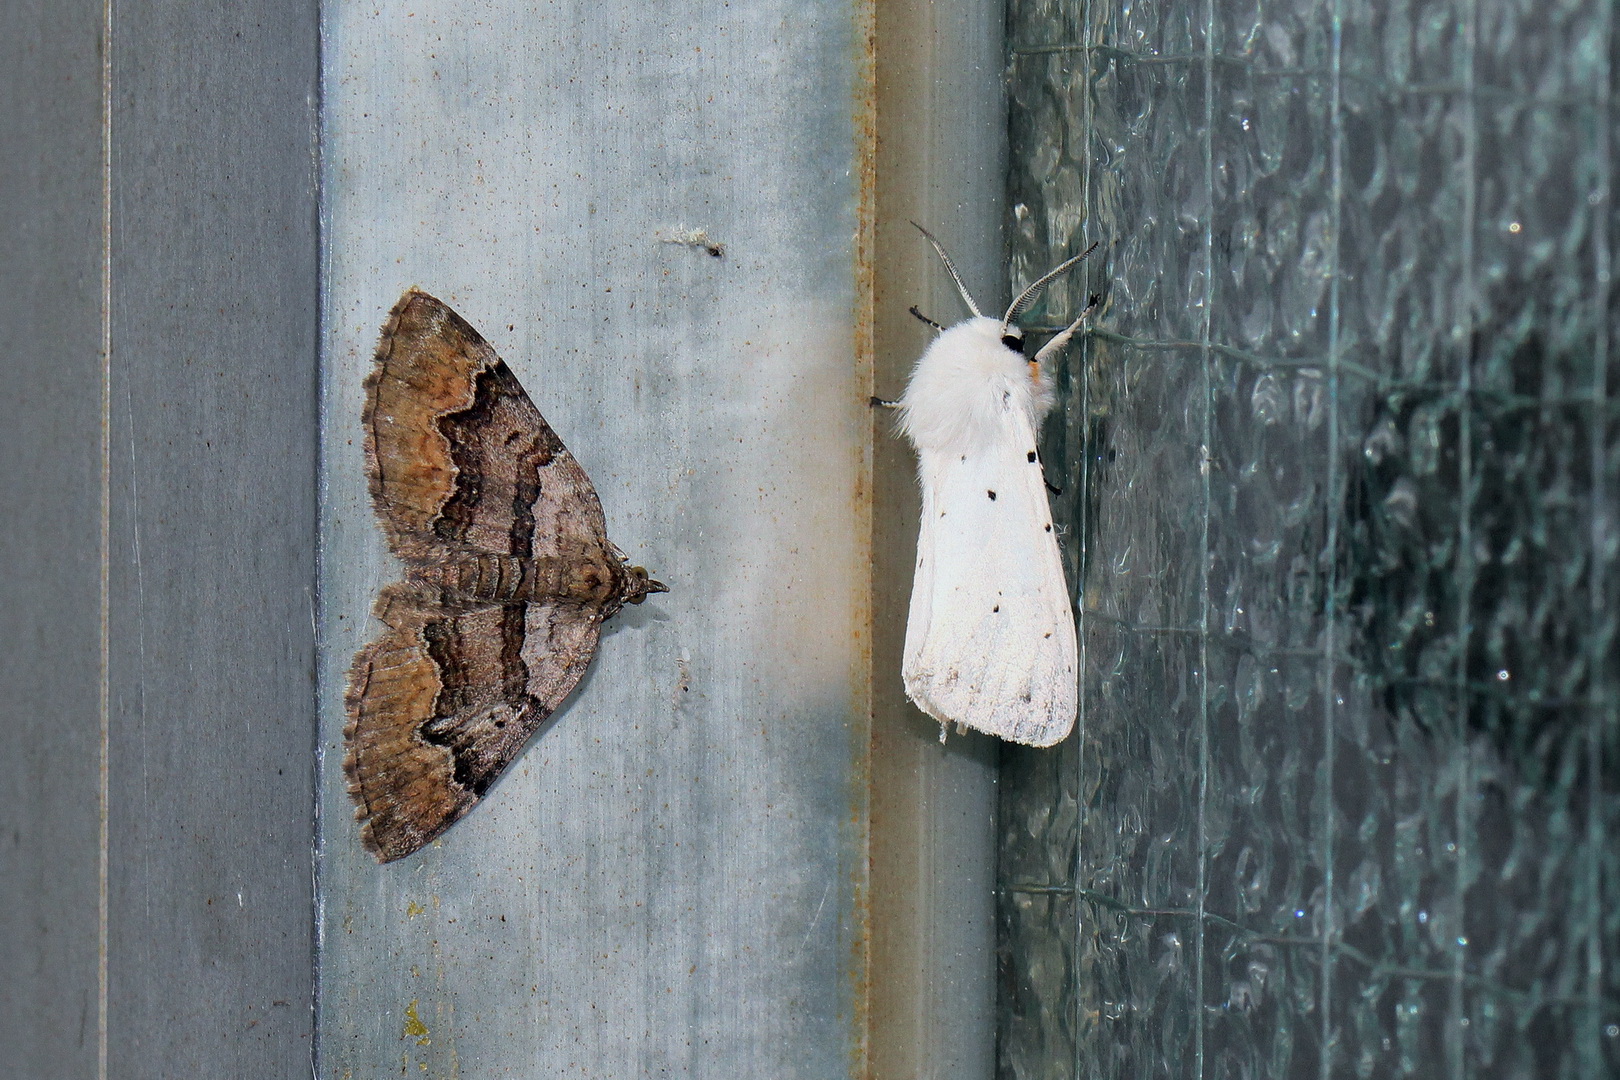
[{"x": 695, "y": 238}]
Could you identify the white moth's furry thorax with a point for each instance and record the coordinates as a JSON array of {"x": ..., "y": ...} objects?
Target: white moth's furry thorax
[{"x": 963, "y": 387}]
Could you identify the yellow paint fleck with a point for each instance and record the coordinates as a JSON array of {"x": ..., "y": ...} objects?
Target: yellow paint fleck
[
  {"x": 414, "y": 1028},
  {"x": 413, "y": 909}
]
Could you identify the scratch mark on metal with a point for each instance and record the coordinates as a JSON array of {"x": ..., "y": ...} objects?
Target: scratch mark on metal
[{"x": 816, "y": 919}]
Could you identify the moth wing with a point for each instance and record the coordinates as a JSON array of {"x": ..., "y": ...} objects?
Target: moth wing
[
  {"x": 456, "y": 453},
  {"x": 990, "y": 637},
  {"x": 443, "y": 700}
]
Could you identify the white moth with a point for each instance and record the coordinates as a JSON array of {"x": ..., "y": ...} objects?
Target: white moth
[{"x": 990, "y": 640}]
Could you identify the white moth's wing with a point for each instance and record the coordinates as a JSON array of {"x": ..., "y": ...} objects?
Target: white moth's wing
[{"x": 990, "y": 640}]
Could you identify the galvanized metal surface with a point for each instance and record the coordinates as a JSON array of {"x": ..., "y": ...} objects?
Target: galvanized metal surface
[
  {"x": 211, "y": 539},
  {"x": 668, "y": 881},
  {"x": 160, "y": 293},
  {"x": 50, "y": 544}
]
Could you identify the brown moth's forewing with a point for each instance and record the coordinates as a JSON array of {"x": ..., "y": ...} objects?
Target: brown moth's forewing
[{"x": 508, "y": 576}]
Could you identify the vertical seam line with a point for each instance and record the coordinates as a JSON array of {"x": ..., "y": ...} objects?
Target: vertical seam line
[
  {"x": 1331, "y": 545},
  {"x": 1464, "y": 316},
  {"x": 1206, "y": 461},
  {"x": 1601, "y": 668},
  {"x": 104, "y": 689},
  {"x": 1085, "y": 528},
  {"x": 318, "y": 600}
]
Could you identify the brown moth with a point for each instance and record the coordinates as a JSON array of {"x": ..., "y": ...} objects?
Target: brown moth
[{"x": 509, "y": 575}]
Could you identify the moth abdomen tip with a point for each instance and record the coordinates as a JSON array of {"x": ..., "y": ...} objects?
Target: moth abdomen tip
[{"x": 641, "y": 585}]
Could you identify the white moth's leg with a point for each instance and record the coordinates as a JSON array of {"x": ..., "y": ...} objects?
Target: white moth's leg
[
  {"x": 938, "y": 329},
  {"x": 1056, "y": 345},
  {"x": 885, "y": 403}
]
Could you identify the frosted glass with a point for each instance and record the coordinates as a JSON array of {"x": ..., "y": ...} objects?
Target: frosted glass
[{"x": 1339, "y": 495}]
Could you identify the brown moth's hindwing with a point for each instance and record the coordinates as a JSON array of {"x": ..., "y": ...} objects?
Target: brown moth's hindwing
[{"x": 508, "y": 576}]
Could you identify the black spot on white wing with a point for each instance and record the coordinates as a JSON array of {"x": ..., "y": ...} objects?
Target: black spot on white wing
[
  {"x": 1031, "y": 455},
  {"x": 991, "y": 494},
  {"x": 995, "y": 609},
  {"x": 1049, "y": 528}
]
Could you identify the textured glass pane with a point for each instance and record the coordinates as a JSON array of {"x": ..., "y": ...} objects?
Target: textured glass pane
[{"x": 1341, "y": 499}]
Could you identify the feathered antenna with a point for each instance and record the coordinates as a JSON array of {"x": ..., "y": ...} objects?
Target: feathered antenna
[
  {"x": 951, "y": 268},
  {"x": 1028, "y": 296}
]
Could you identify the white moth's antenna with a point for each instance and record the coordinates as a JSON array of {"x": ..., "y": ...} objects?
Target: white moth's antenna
[
  {"x": 951, "y": 268},
  {"x": 1028, "y": 296}
]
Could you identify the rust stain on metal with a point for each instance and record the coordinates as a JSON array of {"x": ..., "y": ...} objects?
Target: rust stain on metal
[{"x": 864, "y": 129}]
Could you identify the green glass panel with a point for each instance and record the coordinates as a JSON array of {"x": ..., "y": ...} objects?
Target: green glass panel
[{"x": 1340, "y": 493}]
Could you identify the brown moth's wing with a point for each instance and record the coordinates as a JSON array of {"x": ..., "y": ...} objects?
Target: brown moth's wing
[
  {"x": 457, "y": 454},
  {"x": 459, "y": 459},
  {"x": 443, "y": 701}
]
